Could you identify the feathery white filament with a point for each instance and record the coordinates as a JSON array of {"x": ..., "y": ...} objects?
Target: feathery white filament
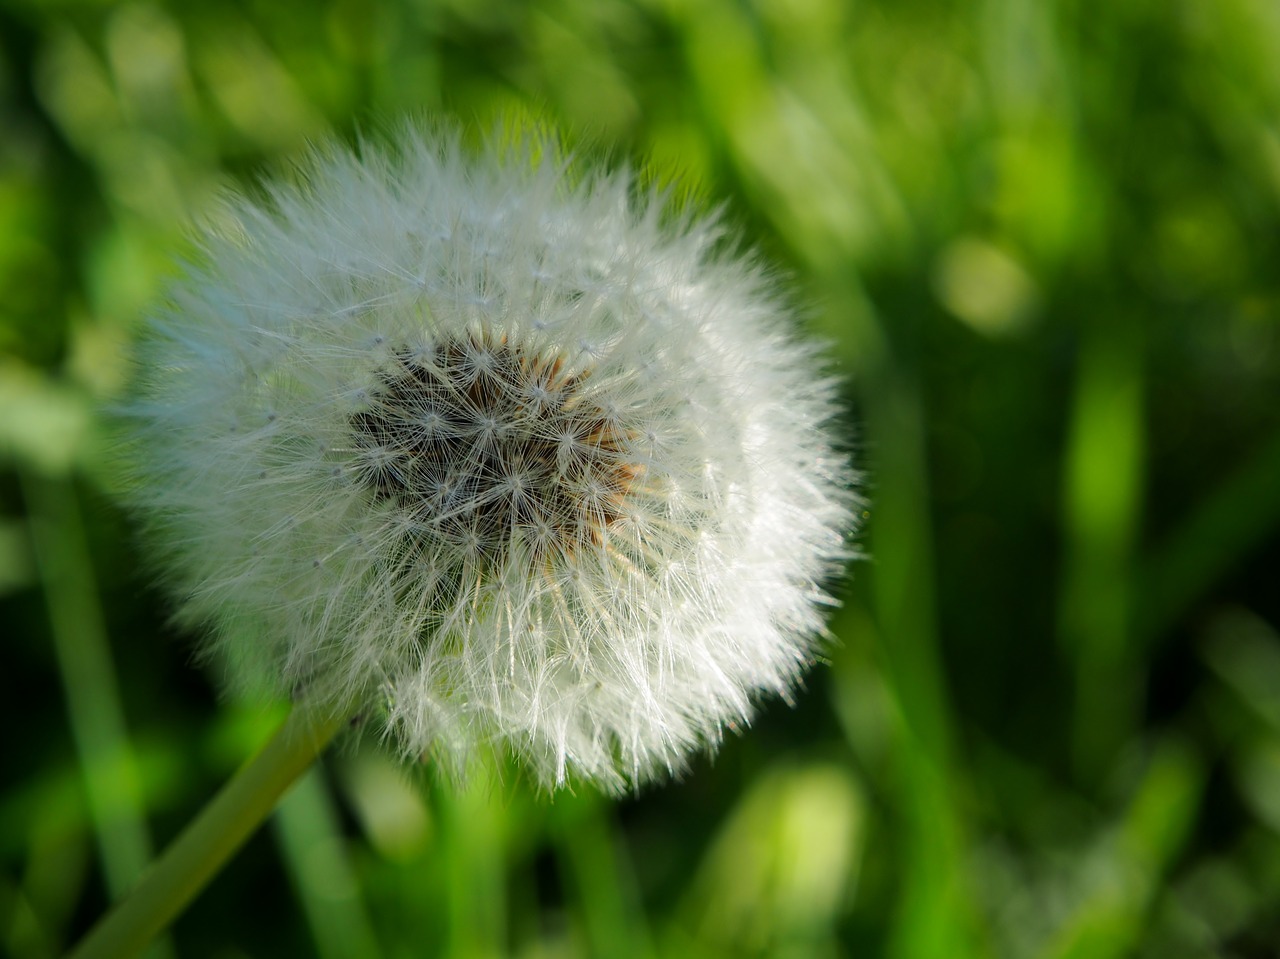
[{"x": 511, "y": 455}]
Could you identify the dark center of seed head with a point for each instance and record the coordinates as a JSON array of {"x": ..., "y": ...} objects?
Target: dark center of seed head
[{"x": 488, "y": 445}]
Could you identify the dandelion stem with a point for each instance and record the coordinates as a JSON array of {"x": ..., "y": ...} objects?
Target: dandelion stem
[{"x": 211, "y": 839}]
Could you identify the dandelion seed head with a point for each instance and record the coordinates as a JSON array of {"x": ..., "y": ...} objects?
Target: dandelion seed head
[{"x": 502, "y": 453}]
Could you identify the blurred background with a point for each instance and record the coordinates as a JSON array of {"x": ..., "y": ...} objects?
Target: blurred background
[{"x": 1043, "y": 240}]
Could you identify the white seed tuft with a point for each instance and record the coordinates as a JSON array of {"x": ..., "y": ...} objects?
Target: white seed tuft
[{"x": 497, "y": 453}]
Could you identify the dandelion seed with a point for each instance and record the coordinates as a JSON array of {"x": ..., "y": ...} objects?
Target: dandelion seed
[{"x": 539, "y": 465}]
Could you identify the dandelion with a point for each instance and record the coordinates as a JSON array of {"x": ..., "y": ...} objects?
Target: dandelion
[
  {"x": 490, "y": 453},
  {"x": 495, "y": 454}
]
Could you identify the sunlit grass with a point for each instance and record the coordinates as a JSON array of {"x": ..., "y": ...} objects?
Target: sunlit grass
[{"x": 1042, "y": 243}]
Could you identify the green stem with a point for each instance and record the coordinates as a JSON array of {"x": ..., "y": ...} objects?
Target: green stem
[{"x": 211, "y": 839}]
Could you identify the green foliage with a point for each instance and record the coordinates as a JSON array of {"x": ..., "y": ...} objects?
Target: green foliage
[{"x": 1043, "y": 241}]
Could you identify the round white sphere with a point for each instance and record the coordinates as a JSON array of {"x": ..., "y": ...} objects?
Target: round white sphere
[{"x": 492, "y": 452}]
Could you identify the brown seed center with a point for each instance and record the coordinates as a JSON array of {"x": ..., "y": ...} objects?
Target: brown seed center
[{"x": 488, "y": 445}]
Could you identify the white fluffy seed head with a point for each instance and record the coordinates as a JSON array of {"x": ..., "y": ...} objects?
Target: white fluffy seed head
[{"x": 500, "y": 454}]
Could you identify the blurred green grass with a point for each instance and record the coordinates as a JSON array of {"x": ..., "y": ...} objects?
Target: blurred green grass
[{"x": 1043, "y": 240}]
